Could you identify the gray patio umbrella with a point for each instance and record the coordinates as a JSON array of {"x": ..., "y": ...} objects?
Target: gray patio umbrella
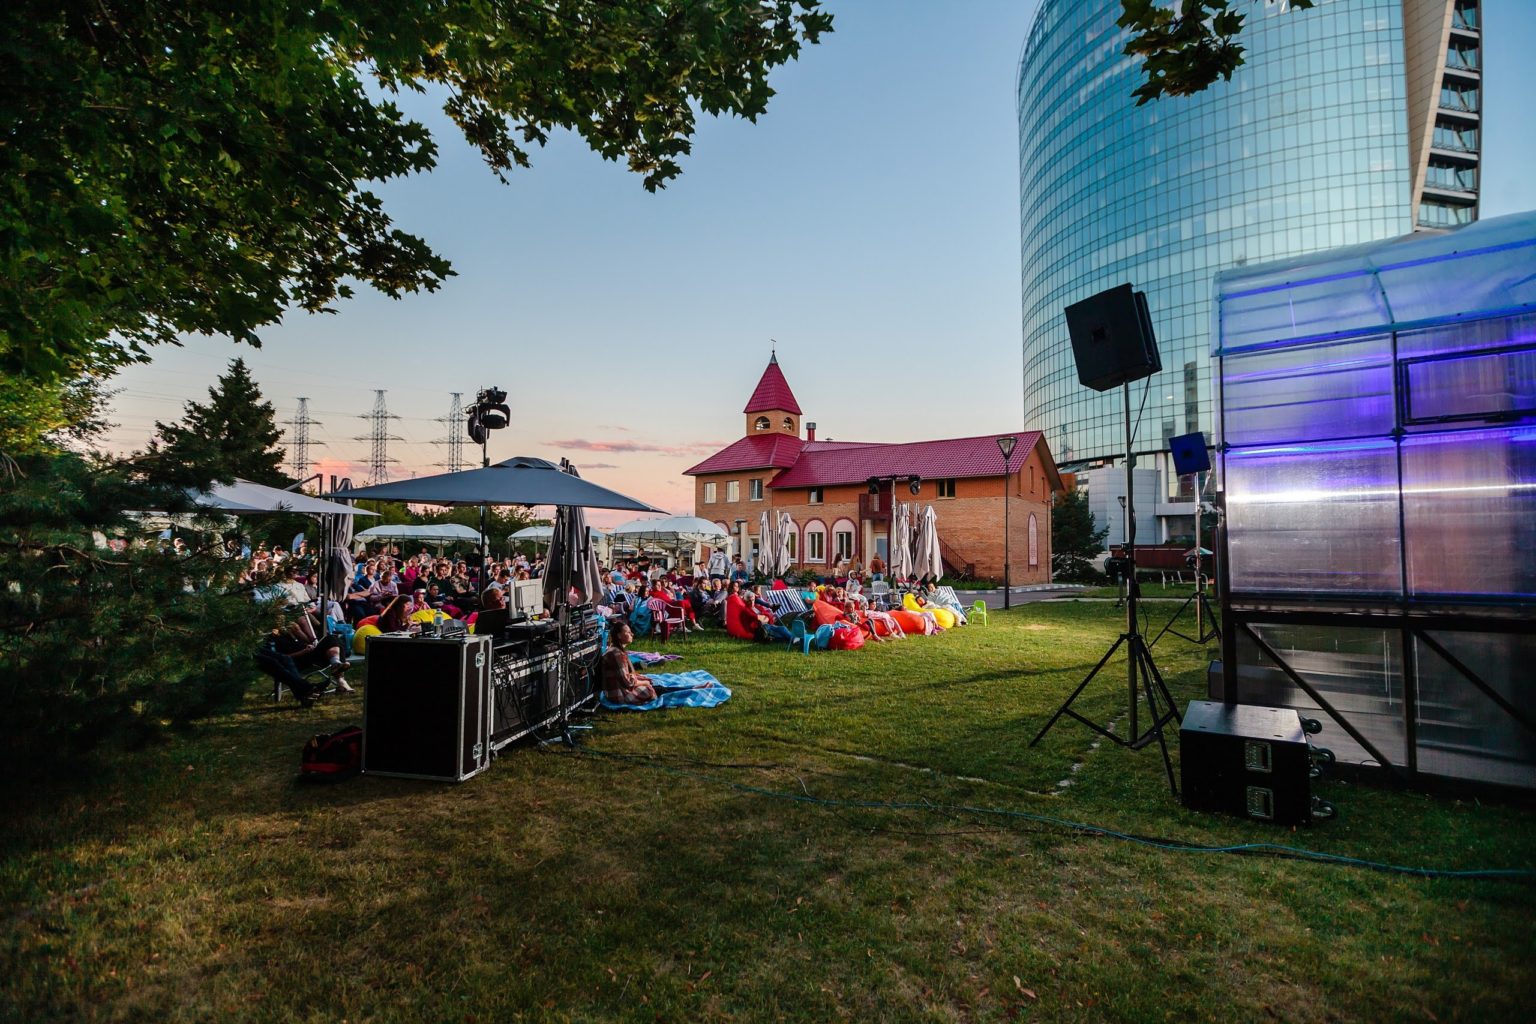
[
  {"x": 785, "y": 530},
  {"x": 928, "y": 561},
  {"x": 339, "y": 567},
  {"x": 518, "y": 481},
  {"x": 571, "y": 565}
]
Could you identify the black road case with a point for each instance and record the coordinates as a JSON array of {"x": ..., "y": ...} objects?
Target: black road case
[
  {"x": 426, "y": 707},
  {"x": 1245, "y": 760}
]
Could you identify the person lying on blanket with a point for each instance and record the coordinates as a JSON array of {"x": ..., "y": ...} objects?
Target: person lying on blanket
[{"x": 621, "y": 683}]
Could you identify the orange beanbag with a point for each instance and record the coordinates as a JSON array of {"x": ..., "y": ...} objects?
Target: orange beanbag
[{"x": 911, "y": 623}]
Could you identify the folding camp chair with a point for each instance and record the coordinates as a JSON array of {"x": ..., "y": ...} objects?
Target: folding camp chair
[{"x": 304, "y": 684}]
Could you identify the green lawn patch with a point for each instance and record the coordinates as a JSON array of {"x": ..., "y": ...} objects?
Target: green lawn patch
[{"x": 681, "y": 868}]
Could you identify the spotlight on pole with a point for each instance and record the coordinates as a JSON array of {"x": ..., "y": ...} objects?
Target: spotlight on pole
[{"x": 915, "y": 485}]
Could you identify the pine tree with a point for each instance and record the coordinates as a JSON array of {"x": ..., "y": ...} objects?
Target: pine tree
[
  {"x": 234, "y": 435},
  {"x": 1074, "y": 541}
]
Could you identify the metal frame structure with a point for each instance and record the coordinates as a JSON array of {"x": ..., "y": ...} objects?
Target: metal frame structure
[{"x": 1377, "y": 417}]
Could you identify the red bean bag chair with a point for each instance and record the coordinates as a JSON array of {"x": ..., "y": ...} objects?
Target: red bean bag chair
[
  {"x": 846, "y": 638},
  {"x": 911, "y": 623},
  {"x": 825, "y": 612},
  {"x": 739, "y": 620},
  {"x": 372, "y": 620}
]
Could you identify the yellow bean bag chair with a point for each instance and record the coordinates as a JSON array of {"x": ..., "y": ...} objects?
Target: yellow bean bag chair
[
  {"x": 943, "y": 616},
  {"x": 423, "y": 616},
  {"x": 360, "y": 638}
]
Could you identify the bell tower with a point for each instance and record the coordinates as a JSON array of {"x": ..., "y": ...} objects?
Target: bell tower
[{"x": 772, "y": 409}]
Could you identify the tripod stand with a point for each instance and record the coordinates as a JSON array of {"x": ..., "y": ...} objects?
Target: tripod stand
[
  {"x": 1143, "y": 678},
  {"x": 1206, "y": 628}
]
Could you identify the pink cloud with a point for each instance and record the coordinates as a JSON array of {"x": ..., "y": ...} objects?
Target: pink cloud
[
  {"x": 598, "y": 465},
  {"x": 581, "y": 444}
]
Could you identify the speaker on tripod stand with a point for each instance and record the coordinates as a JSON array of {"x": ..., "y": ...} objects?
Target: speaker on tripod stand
[{"x": 1113, "y": 344}]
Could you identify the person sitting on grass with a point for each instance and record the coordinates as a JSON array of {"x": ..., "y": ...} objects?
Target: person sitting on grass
[{"x": 621, "y": 683}]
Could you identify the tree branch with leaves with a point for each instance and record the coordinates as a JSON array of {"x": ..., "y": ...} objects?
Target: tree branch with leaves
[{"x": 1185, "y": 46}]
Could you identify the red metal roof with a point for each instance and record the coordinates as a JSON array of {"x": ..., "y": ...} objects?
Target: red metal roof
[
  {"x": 759, "y": 451},
  {"x": 958, "y": 457},
  {"x": 773, "y": 392}
]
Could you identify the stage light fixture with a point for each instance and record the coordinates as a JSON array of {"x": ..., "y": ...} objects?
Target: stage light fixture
[
  {"x": 874, "y": 485},
  {"x": 915, "y": 485}
]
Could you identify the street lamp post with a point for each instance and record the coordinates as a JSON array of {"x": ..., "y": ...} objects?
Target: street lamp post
[{"x": 1005, "y": 445}]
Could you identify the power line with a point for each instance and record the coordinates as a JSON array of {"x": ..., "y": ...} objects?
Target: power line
[
  {"x": 378, "y": 437},
  {"x": 299, "y": 439},
  {"x": 455, "y": 437}
]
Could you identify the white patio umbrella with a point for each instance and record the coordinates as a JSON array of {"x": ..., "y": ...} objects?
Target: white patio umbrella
[
  {"x": 927, "y": 559},
  {"x": 786, "y": 530},
  {"x": 901, "y": 541},
  {"x": 767, "y": 537},
  {"x": 672, "y": 533}
]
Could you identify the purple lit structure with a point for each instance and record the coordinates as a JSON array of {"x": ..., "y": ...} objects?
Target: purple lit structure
[{"x": 1377, "y": 440}]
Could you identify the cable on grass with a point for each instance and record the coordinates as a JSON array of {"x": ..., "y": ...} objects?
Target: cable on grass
[{"x": 1275, "y": 850}]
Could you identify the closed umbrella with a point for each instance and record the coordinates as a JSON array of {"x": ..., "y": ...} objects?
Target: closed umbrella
[
  {"x": 781, "y": 543},
  {"x": 927, "y": 558},
  {"x": 767, "y": 536},
  {"x": 339, "y": 566},
  {"x": 901, "y": 541},
  {"x": 570, "y": 569}
]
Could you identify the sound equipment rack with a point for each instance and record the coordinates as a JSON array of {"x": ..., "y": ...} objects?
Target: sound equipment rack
[{"x": 479, "y": 695}]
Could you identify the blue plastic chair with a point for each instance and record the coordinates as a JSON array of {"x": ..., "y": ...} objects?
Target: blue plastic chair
[{"x": 798, "y": 636}]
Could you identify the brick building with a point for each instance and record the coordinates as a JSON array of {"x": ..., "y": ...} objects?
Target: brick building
[{"x": 826, "y": 487}]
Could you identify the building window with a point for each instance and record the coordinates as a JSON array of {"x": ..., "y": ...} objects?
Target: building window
[
  {"x": 789, "y": 423},
  {"x": 815, "y": 542},
  {"x": 1034, "y": 542},
  {"x": 709, "y": 493},
  {"x": 1031, "y": 479},
  {"x": 733, "y": 490},
  {"x": 946, "y": 487},
  {"x": 792, "y": 542},
  {"x": 755, "y": 489},
  {"x": 816, "y": 496},
  {"x": 842, "y": 538},
  {"x": 761, "y": 424}
]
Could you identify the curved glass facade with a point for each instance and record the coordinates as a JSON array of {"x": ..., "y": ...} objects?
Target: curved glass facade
[{"x": 1306, "y": 148}]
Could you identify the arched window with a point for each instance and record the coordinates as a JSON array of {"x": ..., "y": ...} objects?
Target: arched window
[
  {"x": 1034, "y": 542},
  {"x": 843, "y": 532},
  {"x": 815, "y": 541},
  {"x": 789, "y": 423},
  {"x": 761, "y": 424}
]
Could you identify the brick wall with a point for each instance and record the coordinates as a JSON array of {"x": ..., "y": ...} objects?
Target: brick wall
[{"x": 971, "y": 523}]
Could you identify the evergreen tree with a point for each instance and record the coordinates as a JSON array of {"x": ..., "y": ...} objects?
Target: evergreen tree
[
  {"x": 234, "y": 435},
  {"x": 106, "y": 637},
  {"x": 1074, "y": 541}
]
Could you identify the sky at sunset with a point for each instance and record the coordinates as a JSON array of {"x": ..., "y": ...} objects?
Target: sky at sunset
[{"x": 868, "y": 223}]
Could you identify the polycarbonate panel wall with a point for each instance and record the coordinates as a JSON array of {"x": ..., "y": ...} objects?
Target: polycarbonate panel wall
[
  {"x": 1380, "y": 491},
  {"x": 1372, "y": 465}
]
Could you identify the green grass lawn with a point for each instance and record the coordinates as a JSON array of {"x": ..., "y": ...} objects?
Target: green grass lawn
[{"x": 649, "y": 878}]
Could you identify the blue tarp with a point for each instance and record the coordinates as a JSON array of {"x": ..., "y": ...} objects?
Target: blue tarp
[{"x": 679, "y": 690}]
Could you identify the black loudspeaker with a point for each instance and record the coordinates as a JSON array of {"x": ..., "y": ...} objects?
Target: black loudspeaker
[
  {"x": 1112, "y": 338},
  {"x": 1189, "y": 454},
  {"x": 1249, "y": 761},
  {"x": 426, "y": 707}
]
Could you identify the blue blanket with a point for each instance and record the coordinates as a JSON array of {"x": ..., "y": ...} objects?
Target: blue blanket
[{"x": 679, "y": 690}]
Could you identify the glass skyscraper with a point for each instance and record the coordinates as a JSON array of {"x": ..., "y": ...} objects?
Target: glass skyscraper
[{"x": 1354, "y": 121}]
